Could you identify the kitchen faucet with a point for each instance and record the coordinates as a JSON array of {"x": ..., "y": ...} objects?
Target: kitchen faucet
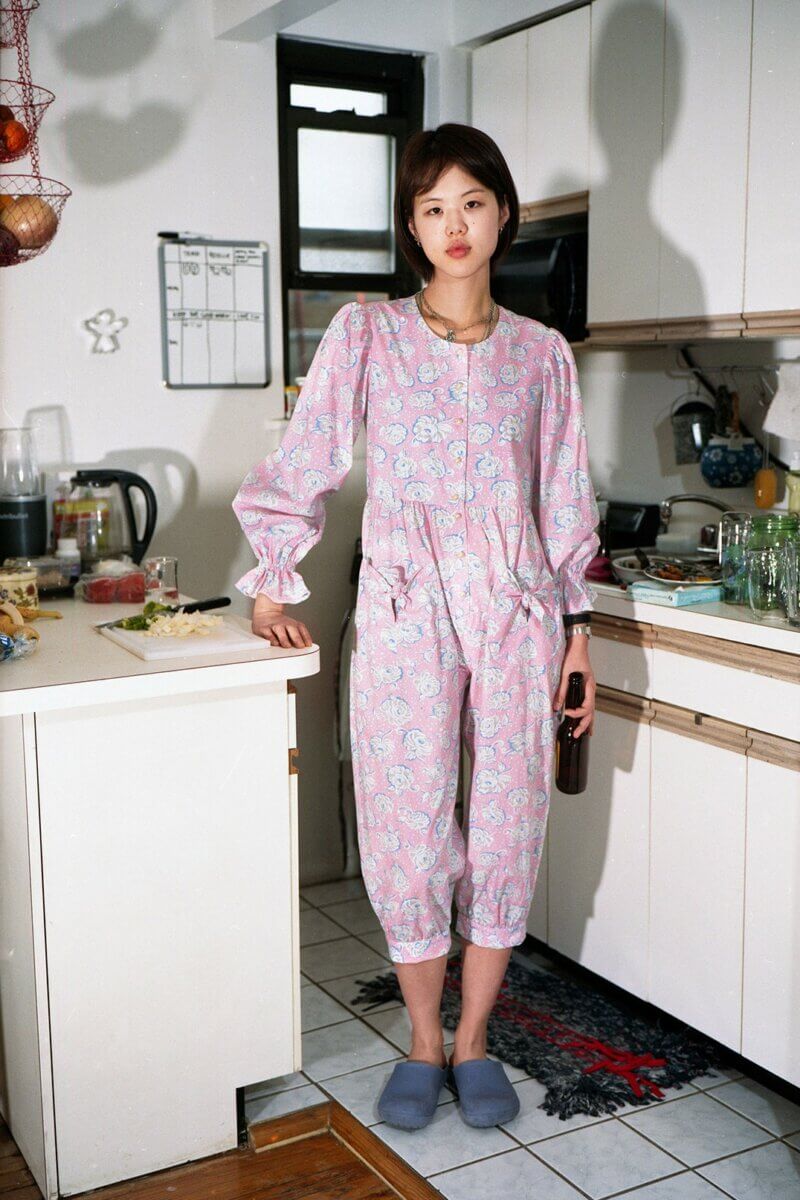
[{"x": 665, "y": 507}]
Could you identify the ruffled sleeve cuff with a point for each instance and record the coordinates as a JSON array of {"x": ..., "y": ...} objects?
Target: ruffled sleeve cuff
[
  {"x": 282, "y": 585},
  {"x": 577, "y": 595}
]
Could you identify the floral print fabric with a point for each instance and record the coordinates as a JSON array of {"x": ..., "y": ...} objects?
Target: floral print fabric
[{"x": 478, "y": 525}]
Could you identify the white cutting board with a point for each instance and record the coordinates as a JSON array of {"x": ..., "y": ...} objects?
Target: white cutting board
[{"x": 223, "y": 640}]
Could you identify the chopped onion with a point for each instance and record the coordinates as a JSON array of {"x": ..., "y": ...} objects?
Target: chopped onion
[{"x": 181, "y": 624}]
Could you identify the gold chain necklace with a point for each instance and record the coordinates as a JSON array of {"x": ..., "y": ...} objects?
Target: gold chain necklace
[{"x": 452, "y": 329}]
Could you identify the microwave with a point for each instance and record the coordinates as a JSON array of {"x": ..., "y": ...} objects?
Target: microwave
[{"x": 544, "y": 274}]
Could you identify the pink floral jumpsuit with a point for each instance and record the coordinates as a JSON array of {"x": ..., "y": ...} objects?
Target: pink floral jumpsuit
[{"x": 478, "y": 525}]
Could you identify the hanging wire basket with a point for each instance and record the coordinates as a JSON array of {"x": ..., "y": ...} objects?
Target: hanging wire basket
[
  {"x": 22, "y": 107},
  {"x": 14, "y": 16},
  {"x": 30, "y": 210}
]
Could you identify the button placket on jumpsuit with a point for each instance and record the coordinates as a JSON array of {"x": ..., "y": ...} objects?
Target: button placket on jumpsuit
[{"x": 477, "y": 528}]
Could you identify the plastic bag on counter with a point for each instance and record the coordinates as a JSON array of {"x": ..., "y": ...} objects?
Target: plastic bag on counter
[
  {"x": 16, "y": 647},
  {"x": 112, "y": 581}
]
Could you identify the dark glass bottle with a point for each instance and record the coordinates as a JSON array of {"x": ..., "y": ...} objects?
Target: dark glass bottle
[{"x": 572, "y": 753}]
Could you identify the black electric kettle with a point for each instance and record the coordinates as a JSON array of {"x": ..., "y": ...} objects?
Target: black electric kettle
[{"x": 113, "y": 492}]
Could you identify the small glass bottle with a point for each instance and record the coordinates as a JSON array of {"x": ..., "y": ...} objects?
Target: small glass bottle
[
  {"x": 69, "y": 554},
  {"x": 572, "y": 753}
]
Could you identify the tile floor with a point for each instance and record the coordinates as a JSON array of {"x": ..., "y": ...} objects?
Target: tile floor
[{"x": 722, "y": 1135}]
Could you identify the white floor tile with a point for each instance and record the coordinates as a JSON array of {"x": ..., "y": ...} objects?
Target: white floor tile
[
  {"x": 532, "y": 1123},
  {"x": 378, "y": 943},
  {"x": 769, "y": 1173},
  {"x": 794, "y": 1141},
  {"x": 304, "y": 904},
  {"x": 356, "y": 916},
  {"x": 280, "y": 1103},
  {"x": 716, "y": 1077},
  {"x": 515, "y": 1074},
  {"x": 318, "y": 1009},
  {"x": 281, "y": 1083},
  {"x": 339, "y": 1049},
  {"x": 687, "y": 1186},
  {"x": 359, "y": 1091},
  {"x": 696, "y": 1129},
  {"x": 447, "y": 1142},
  {"x": 316, "y": 927},
  {"x": 777, "y": 1114},
  {"x": 513, "y": 1176},
  {"x": 338, "y": 889},
  {"x": 347, "y": 988},
  {"x": 331, "y": 960},
  {"x": 396, "y": 1026},
  {"x": 605, "y": 1157}
]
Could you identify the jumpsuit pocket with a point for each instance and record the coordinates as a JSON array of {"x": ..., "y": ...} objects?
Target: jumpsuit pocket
[{"x": 393, "y": 584}]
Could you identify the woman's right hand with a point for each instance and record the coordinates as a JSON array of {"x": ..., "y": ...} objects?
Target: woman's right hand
[{"x": 270, "y": 623}]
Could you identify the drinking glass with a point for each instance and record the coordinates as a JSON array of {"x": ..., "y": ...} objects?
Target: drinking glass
[
  {"x": 791, "y": 581},
  {"x": 763, "y": 566},
  {"x": 161, "y": 579},
  {"x": 734, "y": 534}
]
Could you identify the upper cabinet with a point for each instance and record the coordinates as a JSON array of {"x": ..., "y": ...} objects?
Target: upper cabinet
[
  {"x": 530, "y": 92},
  {"x": 626, "y": 109},
  {"x": 558, "y": 107},
  {"x": 499, "y": 82},
  {"x": 678, "y": 123},
  {"x": 702, "y": 190},
  {"x": 772, "y": 261}
]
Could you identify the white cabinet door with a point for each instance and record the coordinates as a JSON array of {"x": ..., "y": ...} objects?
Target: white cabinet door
[
  {"x": 627, "y": 61},
  {"x": 499, "y": 87},
  {"x": 772, "y": 275},
  {"x": 703, "y": 176},
  {"x": 597, "y": 857},
  {"x": 166, "y": 861},
  {"x": 771, "y": 1001},
  {"x": 697, "y": 882},
  {"x": 558, "y": 106}
]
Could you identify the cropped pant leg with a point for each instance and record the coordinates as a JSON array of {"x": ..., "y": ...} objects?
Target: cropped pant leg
[
  {"x": 406, "y": 691},
  {"x": 509, "y": 730}
]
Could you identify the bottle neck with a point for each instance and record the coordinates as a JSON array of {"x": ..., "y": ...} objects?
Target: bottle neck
[{"x": 574, "y": 690}]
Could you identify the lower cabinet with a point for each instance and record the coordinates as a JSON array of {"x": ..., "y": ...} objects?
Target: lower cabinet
[
  {"x": 676, "y": 874},
  {"x": 598, "y": 851},
  {"x": 771, "y": 993},
  {"x": 697, "y": 869}
]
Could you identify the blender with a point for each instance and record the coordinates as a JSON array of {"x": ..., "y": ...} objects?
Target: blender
[{"x": 23, "y": 502}]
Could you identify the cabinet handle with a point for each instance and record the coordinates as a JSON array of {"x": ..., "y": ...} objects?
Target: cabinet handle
[{"x": 293, "y": 756}]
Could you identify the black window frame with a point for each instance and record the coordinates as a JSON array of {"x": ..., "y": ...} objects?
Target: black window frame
[{"x": 400, "y": 77}]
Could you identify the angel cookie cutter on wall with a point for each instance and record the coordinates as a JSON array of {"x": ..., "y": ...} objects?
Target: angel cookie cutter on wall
[{"x": 104, "y": 327}]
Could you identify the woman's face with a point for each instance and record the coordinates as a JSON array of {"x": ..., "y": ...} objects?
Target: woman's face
[{"x": 458, "y": 211}]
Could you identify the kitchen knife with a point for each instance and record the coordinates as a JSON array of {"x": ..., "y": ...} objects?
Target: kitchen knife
[{"x": 192, "y": 606}]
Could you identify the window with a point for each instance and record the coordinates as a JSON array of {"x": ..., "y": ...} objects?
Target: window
[{"x": 345, "y": 116}]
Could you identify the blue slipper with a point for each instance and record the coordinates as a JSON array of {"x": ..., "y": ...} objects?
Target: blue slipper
[
  {"x": 485, "y": 1093},
  {"x": 411, "y": 1094}
]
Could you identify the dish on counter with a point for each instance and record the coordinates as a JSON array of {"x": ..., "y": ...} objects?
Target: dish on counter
[{"x": 678, "y": 572}]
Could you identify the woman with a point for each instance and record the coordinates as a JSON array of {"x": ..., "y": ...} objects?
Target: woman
[{"x": 472, "y": 604}]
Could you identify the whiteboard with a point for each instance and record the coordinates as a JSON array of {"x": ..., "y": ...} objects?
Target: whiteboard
[{"x": 214, "y": 313}]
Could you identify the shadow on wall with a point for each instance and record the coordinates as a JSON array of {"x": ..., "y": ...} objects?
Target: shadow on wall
[{"x": 105, "y": 147}]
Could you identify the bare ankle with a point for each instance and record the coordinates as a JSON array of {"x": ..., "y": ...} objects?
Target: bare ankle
[
  {"x": 428, "y": 1049},
  {"x": 468, "y": 1045}
]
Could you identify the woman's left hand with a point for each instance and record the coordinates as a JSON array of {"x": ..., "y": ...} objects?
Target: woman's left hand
[{"x": 576, "y": 658}]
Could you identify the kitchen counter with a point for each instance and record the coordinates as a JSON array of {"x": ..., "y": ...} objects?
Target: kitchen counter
[
  {"x": 76, "y": 665},
  {"x": 730, "y": 622},
  {"x": 149, "y": 930}
]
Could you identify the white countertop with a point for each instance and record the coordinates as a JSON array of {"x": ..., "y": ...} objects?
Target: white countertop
[
  {"x": 732, "y": 622},
  {"x": 75, "y": 665}
]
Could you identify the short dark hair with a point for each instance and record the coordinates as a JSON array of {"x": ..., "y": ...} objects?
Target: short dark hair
[{"x": 426, "y": 155}]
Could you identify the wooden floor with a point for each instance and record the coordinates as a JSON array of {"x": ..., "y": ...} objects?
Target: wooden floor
[{"x": 319, "y": 1153}]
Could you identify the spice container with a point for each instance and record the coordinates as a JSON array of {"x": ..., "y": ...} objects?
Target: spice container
[{"x": 18, "y": 584}]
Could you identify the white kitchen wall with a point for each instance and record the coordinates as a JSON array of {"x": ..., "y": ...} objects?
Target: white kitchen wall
[{"x": 159, "y": 125}]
